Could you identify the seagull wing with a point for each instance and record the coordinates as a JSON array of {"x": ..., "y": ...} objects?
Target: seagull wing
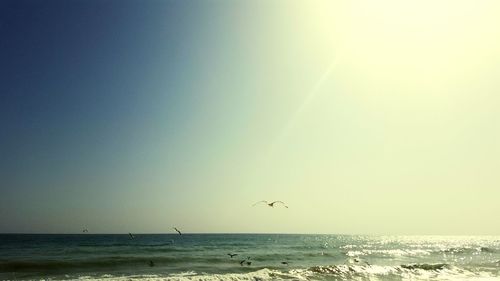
[
  {"x": 281, "y": 203},
  {"x": 263, "y": 201},
  {"x": 178, "y": 231}
]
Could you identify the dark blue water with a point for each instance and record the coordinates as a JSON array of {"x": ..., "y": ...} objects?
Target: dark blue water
[{"x": 265, "y": 256}]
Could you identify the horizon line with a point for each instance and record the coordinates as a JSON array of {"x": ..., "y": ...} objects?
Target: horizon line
[{"x": 235, "y": 233}]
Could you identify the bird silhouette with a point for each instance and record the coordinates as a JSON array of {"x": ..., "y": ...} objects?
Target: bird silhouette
[
  {"x": 131, "y": 235},
  {"x": 178, "y": 231},
  {"x": 271, "y": 204},
  {"x": 232, "y": 255},
  {"x": 247, "y": 261}
]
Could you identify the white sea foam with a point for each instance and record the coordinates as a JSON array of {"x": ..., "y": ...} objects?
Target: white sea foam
[
  {"x": 259, "y": 275},
  {"x": 438, "y": 272}
]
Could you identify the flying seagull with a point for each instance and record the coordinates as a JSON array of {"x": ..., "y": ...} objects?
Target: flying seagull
[
  {"x": 85, "y": 230},
  {"x": 271, "y": 204},
  {"x": 247, "y": 260},
  {"x": 232, "y": 255},
  {"x": 178, "y": 231},
  {"x": 131, "y": 235}
]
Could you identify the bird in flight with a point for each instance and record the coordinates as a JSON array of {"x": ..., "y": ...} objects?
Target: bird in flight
[
  {"x": 247, "y": 261},
  {"x": 232, "y": 255},
  {"x": 131, "y": 235},
  {"x": 85, "y": 230},
  {"x": 178, "y": 231},
  {"x": 271, "y": 204}
]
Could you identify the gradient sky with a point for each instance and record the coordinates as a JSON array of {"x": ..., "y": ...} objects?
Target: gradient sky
[{"x": 366, "y": 117}]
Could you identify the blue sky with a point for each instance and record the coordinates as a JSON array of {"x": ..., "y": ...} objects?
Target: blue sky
[{"x": 85, "y": 86}]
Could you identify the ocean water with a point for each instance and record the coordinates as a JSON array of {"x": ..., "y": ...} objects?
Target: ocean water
[{"x": 204, "y": 257}]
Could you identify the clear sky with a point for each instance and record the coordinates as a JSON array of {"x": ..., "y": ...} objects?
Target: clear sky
[{"x": 364, "y": 116}]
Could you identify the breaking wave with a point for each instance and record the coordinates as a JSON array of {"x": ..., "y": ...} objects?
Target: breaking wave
[{"x": 332, "y": 272}]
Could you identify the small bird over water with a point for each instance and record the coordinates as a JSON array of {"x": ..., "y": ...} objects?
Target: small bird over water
[
  {"x": 247, "y": 261},
  {"x": 271, "y": 204},
  {"x": 85, "y": 230},
  {"x": 232, "y": 255},
  {"x": 178, "y": 231},
  {"x": 284, "y": 262},
  {"x": 131, "y": 235}
]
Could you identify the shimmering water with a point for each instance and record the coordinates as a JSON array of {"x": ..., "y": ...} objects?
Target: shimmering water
[{"x": 204, "y": 257}]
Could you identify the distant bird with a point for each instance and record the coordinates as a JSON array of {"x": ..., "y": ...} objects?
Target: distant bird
[
  {"x": 85, "y": 230},
  {"x": 358, "y": 260},
  {"x": 271, "y": 204},
  {"x": 247, "y": 261},
  {"x": 178, "y": 231},
  {"x": 232, "y": 255},
  {"x": 151, "y": 263},
  {"x": 131, "y": 235},
  {"x": 284, "y": 262}
]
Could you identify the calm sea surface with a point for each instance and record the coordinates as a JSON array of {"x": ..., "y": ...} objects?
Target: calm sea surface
[{"x": 264, "y": 256}]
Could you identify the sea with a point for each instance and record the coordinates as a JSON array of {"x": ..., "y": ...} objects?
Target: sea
[{"x": 257, "y": 257}]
